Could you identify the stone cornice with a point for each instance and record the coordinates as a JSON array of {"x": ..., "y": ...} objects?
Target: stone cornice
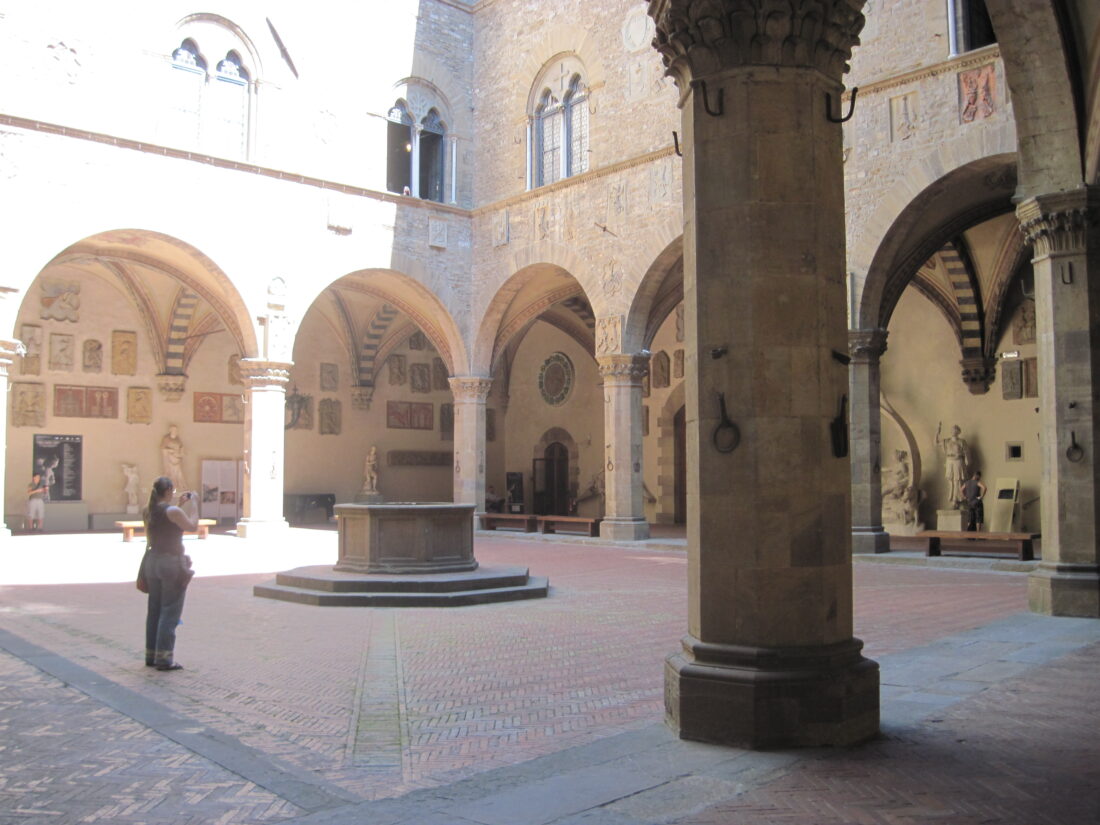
[
  {"x": 969, "y": 60},
  {"x": 259, "y": 374},
  {"x": 1059, "y": 224},
  {"x": 632, "y": 368},
  {"x": 699, "y": 38},
  {"x": 866, "y": 345},
  {"x": 470, "y": 388}
]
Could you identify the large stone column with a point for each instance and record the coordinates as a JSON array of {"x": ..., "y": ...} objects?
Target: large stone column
[
  {"x": 9, "y": 348},
  {"x": 624, "y": 512},
  {"x": 866, "y": 347},
  {"x": 1065, "y": 236},
  {"x": 770, "y": 660},
  {"x": 264, "y": 450},
  {"x": 470, "y": 394}
]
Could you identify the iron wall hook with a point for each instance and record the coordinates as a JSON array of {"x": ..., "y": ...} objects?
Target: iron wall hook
[
  {"x": 851, "y": 107},
  {"x": 702, "y": 84},
  {"x": 676, "y": 144}
]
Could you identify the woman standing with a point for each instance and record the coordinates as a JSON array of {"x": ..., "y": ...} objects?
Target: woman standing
[{"x": 167, "y": 570}]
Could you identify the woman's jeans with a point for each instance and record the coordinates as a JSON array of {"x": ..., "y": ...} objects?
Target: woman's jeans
[{"x": 167, "y": 587}]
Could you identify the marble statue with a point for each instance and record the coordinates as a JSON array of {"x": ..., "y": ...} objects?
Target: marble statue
[
  {"x": 900, "y": 498},
  {"x": 370, "y": 471},
  {"x": 171, "y": 450},
  {"x": 132, "y": 487},
  {"x": 956, "y": 455}
]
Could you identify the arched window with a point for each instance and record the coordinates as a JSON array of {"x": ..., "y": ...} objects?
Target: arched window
[
  {"x": 208, "y": 111},
  {"x": 432, "y": 156},
  {"x": 558, "y": 130},
  {"x": 968, "y": 26},
  {"x": 399, "y": 149}
]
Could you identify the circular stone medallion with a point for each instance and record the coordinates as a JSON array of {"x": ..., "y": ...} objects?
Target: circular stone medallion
[{"x": 556, "y": 379}]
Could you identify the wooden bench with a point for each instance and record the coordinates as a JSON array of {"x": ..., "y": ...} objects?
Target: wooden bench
[
  {"x": 491, "y": 521},
  {"x": 1021, "y": 545},
  {"x": 131, "y": 527},
  {"x": 588, "y": 526}
]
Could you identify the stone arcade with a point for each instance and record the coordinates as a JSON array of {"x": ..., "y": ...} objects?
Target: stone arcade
[{"x": 517, "y": 246}]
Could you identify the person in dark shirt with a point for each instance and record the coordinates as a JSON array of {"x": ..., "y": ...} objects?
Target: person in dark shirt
[
  {"x": 973, "y": 491},
  {"x": 167, "y": 570}
]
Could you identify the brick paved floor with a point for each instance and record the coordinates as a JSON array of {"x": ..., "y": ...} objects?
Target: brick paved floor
[{"x": 377, "y": 702}]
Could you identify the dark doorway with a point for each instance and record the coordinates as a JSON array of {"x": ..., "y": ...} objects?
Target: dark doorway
[
  {"x": 679, "y": 466},
  {"x": 552, "y": 481}
]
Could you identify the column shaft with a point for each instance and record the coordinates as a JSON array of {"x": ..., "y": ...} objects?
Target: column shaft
[
  {"x": 8, "y": 350},
  {"x": 1064, "y": 232},
  {"x": 770, "y": 660},
  {"x": 264, "y": 451},
  {"x": 624, "y": 516},
  {"x": 866, "y": 348},
  {"x": 470, "y": 395}
]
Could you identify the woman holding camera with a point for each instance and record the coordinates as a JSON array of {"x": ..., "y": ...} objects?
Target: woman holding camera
[{"x": 167, "y": 571}]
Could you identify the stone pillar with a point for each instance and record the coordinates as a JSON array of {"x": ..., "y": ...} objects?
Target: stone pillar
[
  {"x": 414, "y": 161},
  {"x": 866, "y": 347},
  {"x": 9, "y": 348},
  {"x": 770, "y": 659},
  {"x": 470, "y": 394},
  {"x": 1065, "y": 236},
  {"x": 624, "y": 514},
  {"x": 264, "y": 451}
]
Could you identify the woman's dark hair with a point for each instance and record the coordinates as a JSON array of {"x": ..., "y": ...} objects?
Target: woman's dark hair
[{"x": 161, "y": 486}]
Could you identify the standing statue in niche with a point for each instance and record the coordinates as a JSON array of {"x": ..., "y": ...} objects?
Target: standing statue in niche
[
  {"x": 171, "y": 450},
  {"x": 132, "y": 488},
  {"x": 956, "y": 455}
]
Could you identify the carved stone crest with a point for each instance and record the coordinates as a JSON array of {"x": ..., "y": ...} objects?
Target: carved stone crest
[{"x": 609, "y": 330}]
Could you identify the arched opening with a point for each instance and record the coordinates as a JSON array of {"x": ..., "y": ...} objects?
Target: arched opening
[
  {"x": 432, "y": 156},
  {"x": 399, "y": 146},
  {"x": 551, "y": 474}
]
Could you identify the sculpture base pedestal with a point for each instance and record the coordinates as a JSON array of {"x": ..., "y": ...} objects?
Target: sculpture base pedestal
[
  {"x": 754, "y": 697},
  {"x": 1056, "y": 589},
  {"x": 869, "y": 540},
  {"x": 370, "y": 498},
  {"x": 262, "y": 529},
  {"x": 624, "y": 529},
  {"x": 949, "y": 520}
]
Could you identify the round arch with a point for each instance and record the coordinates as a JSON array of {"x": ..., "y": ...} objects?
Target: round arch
[
  {"x": 661, "y": 288},
  {"x": 939, "y": 210}
]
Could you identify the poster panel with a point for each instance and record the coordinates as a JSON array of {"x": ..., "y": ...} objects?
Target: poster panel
[{"x": 59, "y": 458}]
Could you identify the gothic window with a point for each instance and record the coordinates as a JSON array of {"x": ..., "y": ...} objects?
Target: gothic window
[
  {"x": 558, "y": 135},
  {"x": 969, "y": 26},
  {"x": 399, "y": 149},
  {"x": 207, "y": 111},
  {"x": 432, "y": 156}
]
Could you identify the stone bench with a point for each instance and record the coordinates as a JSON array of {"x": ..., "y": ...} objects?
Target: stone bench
[
  {"x": 490, "y": 521},
  {"x": 1021, "y": 545},
  {"x": 552, "y": 524},
  {"x": 129, "y": 528}
]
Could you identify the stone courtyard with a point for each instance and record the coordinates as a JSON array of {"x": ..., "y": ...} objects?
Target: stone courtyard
[{"x": 536, "y": 712}]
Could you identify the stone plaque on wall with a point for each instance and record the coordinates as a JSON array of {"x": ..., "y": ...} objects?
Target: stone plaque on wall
[
  {"x": 60, "y": 300},
  {"x": 61, "y": 351},
  {"x": 28, "y": 405},
  {"x": 410, "y": 415},
  {"x": 1031, "y": 377},
  {"x": 437, "y": 233},
  {"x": 1023, "y": 325},
  {"x": 420, "y": 378},
  {"x": 977, "y": 93},
  {"x": 608, "y": 334},
  {"x": 330, "y": 416},
  {"x": 680, "y": 322},
  {"x": 123, "y": 352},
  {"x": 93, "y": 356},
  {"x": 139, "y": 405},
  {"x": 678, "y": 364},
  {"x": 418, "y": 340},
  {"x": 1012, "y": 380},
  {"x": 85, "y": 402},
  {"x": 439, "y": 375},
  {"x": 397, "y": 369},
  {"x": 659, "y": 369},
  {"x": 419, "y": 458},
  {"x": 31, "y": 336},
  {"x": 903, "y": 116},
  {"x": 447, "y": 422},
  {"x": 330, "y": 377}
]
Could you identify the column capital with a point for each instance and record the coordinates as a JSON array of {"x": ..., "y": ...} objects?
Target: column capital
[
  {"x": 866, "y": 345},
  {"x": 470, "y": 388},
  {"x": 1059, "y": 223},
  {"x": 632, "y": 368},
  {"x": 257, "y": 373},
  {"x": 978, "y": 373},
  {"x": 699, "y": 38}
]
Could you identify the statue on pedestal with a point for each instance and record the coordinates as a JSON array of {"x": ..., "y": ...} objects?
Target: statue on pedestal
[
  {"x": 132, "y": 487},
  {"x": 369, "y": 493},
  {"x": 171, "y": 450},
  {"x": 956, "y": 454},
  {"x": 900, "y": 497}
]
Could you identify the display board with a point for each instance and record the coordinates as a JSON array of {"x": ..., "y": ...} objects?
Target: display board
[
  {"x": 222, "y": 485},
  {"x": 60, "y": 460}
]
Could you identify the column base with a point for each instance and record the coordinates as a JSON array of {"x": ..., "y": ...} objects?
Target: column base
[
  {"x": 624, "y": 529},
  {"x": 870, "y": 540},
  {"x": 261, "y": 528},
  {"x": 1055, "y": 589},
  {"x": 752, "y": 697}
]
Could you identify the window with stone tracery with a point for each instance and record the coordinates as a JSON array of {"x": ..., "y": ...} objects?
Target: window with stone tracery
[
  {"x": 417, "y": 151},
  {"x": 558, "y": 128},
  {"x": 208, "y": 102}
]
